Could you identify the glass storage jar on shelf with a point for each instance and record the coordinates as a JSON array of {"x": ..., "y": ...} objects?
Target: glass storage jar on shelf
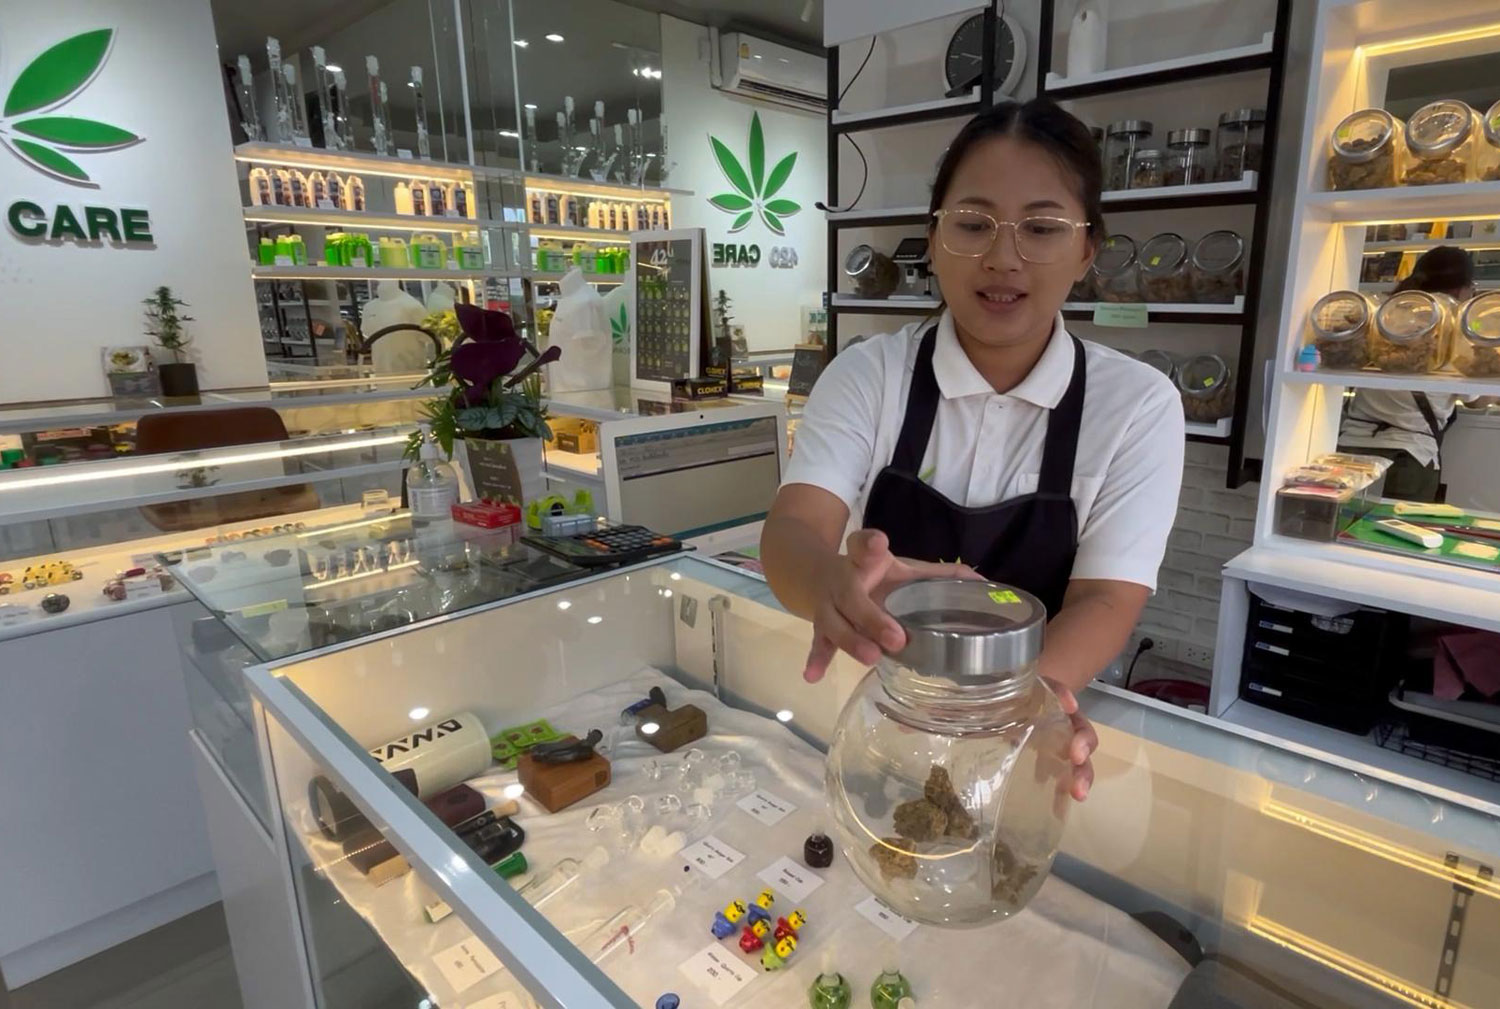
[
  {"x": 1161, "y": 361},
  {"x": 1440, "y": 141},
  {"x": 1487, "y": 152},
  {"x": 1114, "y": 270},
  {"x": 1218, "y": 268},
  {"x": 1240, "y": 143},
  {"x": 873, "y": 274},
  {"x": 1207, "y": 387},
  {"x": 1147, "y": 168},
  {"x": 1413, "y": 332},
  {"x": 1083, "y": 291},
  {"x": 1121, "y": 140},
  {"x": 1476, "y": 343},
  {"x": 948, "y": 777},
  {"x": 1368, "y": 151},
  {"x": 1164, "y": 270},
  {"x": 1188, "y": 159},
  {"x": 1340, "y": 323}
]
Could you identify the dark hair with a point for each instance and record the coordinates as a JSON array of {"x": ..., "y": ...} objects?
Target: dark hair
[
  {"x": 1444, "y": 268},
  {"x": 1049, "y": 126}
]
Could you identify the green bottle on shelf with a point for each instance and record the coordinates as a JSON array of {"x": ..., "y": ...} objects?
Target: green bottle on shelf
[
  {"x": 266, "y": 251},
  {"x": 830, "y": 991},
  {"x": 889, "y": 989}
]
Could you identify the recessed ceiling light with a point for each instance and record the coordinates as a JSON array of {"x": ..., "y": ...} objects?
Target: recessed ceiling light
[
  {"x": 417, "y": 714},
  {"x": 411, "y": 84},
  {"x": 666, "y": 593},
  {"x": 333, "y": 68},
  {"x": 522, "y": 43},
  {"x": 563, "y": 604},
  {"x": 596, "y": 620},
  {"x": 510, "y": 133},
  {"x": 676, "y": 576},
  {"x": 531, "y": 106},
  {"x": 759, "y": 56},
  {"x": 553, "y": 37}
]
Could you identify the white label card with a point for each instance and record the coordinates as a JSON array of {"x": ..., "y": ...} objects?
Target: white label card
[
  {"x": 892, "y": 924},
  {"x": 789, "y": 878},
  {"x": 302, "y": 141},
  {"x": 328, "y": 205},
  {"x": 767, "y": 808},
  {"x": 403, "y": 153},
  {"x": 711, "y": 856},
  {"x": 505, "y": 1000},
  {"x": 466, "y": 964},
  {"x": 283, "y": 260},
  {"x": 718, "y": 971}
]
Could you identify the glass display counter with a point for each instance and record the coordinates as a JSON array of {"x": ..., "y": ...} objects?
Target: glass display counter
[{"x": 1210, "y": 866}]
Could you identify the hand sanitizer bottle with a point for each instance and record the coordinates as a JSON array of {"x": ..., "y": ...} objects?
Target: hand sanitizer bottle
[{"x": 431, "y": 492}]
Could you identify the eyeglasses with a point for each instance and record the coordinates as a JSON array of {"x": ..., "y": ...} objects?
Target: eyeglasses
[{"x": 972, "y": 233}]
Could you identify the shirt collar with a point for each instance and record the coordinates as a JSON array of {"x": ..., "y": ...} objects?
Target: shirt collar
[{"x": 1043, "y": 386}]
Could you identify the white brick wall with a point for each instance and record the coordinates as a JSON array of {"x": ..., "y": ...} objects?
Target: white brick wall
[{"x": 1213, "y": 524}]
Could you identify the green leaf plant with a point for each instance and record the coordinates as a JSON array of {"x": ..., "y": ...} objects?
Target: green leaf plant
[
  {"x": 754, "y": 190},
  {"x": 165, "y": 325},
  {"x": 51, "y": 80}
]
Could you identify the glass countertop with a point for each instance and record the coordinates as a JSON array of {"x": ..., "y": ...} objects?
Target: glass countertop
[{"x": 293, "y": 592}]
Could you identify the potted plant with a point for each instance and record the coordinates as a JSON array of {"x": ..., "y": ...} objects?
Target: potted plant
[
  {"x": 164, "y": 325},
  {"x": 491, "y": 418}
]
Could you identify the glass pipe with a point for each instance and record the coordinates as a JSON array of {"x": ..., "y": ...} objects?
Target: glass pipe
[
  {"x": 624, "y": 926},
  {"x": 889, "y": 989},
  {"x": 546, "y": 885},
  {"x": 380, "y": 108},
  {"x": 245, "y": 89},
  {"x": 424, "y": 144},
  {"x": 829, "y": 991},
  {"x": 331, "y": 138}
]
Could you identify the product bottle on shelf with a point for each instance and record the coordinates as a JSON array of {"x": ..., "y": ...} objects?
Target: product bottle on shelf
[
  {"x": 534, "y": 207},
  {"x": 260, "y": 187},
  {"x": 355, "y": 189},
  {"x": 431, "y": 491},
  {"x": 336, "y": 188},
  {"x": 317, "y": 190},
  {"x": 281, "y": 187},
  {"x": 299, "y": 250},
  {"x": 461, "y": 200},
  {"x": 552, "y": 882},
  {"x": 418, "y": 190},
  {"x": 266, "y": 251},
  {"x": 403, "y": 198},
  {"x": 437, "y": 199},
  {"x": 283, "y": 250}
]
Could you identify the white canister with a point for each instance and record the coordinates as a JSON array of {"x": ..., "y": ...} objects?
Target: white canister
[
  {"x": 441, "y": 755},
  {"x": 1086, "y": 41}
]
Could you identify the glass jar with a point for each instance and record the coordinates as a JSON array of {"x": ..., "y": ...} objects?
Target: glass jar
[
  {"x": 1218, "y": 268},
  {"x": 1083, "y": 291},
  {"x": 1147, "y": 168},
  {"x": 948, "y": 776},
  {"x": 1098, "y": 134},
  {"x": 1161, "y": 361},
  {"x": 1369, "y": 151},
  {"x": 1164, "y": 270},
  {"x": 1241, "y": 143},
  {"x": 1188, "y": 159},
  {"x": 1412, "y": 332},
  {"x": 1440, "y": 141},
  {"x": 1207, "y": 387},
  {"x": 1340, "y": 323},
  {"x": 873, "y": 274},
  {"x": 1476, "y": 344},
  {"x": 1487, "y": 153},
  {"x": 1121, "y": 141},
  {"x": 1114, "y": 270}
]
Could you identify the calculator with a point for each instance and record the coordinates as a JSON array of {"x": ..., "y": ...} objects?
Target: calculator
[{"x": 605, "y": 547}]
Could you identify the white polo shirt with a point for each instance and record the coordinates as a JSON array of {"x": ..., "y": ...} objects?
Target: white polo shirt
[{"x": 986, "y": 447}]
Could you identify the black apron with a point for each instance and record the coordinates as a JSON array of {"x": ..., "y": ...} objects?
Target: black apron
[{"x": 1028, "y": 541}]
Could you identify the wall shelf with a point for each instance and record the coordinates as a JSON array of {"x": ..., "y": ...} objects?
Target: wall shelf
[
  {"x": 1213, "y": 315},
  {"x": 877, "y": 217},
  {"x": 588, "y": 187},
  {"x": 932, "y": 111},
  {"x": 1438, "y": 385},
  {"x": 884, "y": 306},
  {"x": 1258, "y": 56},
  {"x": 1243, "y": 190},
  {"x": 1406, "y": 203},
  {"x": 366, "y": 162},
  {"x": 305, "y": 217},
  {"x": 313, "y": 272},
  {"x": 1215, "y": 432},
  {"x": 570, "y": 233},
  {"x": 544, "y": 277}
]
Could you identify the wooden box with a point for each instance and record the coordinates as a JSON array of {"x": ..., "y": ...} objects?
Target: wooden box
[
  {"x": 557, "y": 786},
  {"x": 674, "y": 728}
]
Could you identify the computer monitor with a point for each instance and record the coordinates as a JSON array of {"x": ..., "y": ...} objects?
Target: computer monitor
[{"x": 694, "y": 475}]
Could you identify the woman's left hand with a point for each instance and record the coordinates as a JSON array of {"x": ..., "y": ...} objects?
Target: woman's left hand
[{"x": 1085, "y": 742}]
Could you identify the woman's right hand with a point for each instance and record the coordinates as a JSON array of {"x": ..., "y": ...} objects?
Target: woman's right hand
[{"x": 852, "y": 587}]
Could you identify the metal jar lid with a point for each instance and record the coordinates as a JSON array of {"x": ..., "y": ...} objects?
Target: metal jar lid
[
  {"x": 1203, "y": 376},
  {"x": 1164, "y": 253},
  {"x": 1146, "y": 154},
  {"x": 1116, "y": 255},
  {"x": 860, "y": 259},
  {"x": 1341, "y": 315},
  {"x": 1439, "y": 127},
  {"x": 1364, "y": 134},
  {"x": 1130, "y": 127},
  {"x": 1408, "y": 316},
  {"x": 1219, "y": 252},
  {"x": 1492, "y": 125},
  {"x": 970, "y": 632},
  {"x": 1161, "y": 361},
  {"x": 1481, "y": 320},
  {"x": 1189, "y": 138},
  {"x": 1252, "y": 117}
]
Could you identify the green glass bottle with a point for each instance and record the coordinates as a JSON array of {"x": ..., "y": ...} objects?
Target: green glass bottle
[
  {"x": 829, "y": 991},
  {"x": 889, "y": 989}
]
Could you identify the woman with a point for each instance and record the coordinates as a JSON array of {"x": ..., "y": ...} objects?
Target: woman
[
  {"x": 990, "y": 439},
  {"x": 1408, "y": 427}
]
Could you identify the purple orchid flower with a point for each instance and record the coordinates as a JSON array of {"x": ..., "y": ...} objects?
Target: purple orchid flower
[{"x": 490, "y": 348}]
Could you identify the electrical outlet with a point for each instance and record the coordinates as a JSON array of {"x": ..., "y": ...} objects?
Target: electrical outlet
[{"x": 1201, "y": 656}]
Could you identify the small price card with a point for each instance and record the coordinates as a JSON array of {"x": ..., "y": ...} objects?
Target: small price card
[
  {"x": 786, "y": 876},
  {"x": 718, "y": 971},
  {"x": 505, "y": 1000},
  {"x": 711, "y": 856},
  {"x": 466, "y": 964},
  {"x": 767, "y": 808},
  {"x": 892, "y": 924},
  {"x": 1123, "y": 316},
  {"x": 404, "y": 153}
]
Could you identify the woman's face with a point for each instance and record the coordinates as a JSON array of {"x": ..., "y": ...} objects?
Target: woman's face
[{"x": 999, "y": 299}]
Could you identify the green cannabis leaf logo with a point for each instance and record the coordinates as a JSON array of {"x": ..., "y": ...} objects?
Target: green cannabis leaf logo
[
  {"x": 51, "y": 80},
  {"x": 755, "y": 190},
  {"x": 619, "y": 328}
]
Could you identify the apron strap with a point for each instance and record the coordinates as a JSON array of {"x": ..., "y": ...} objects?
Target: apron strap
[
  {"x": 1063, "y": 425},
  {"x": 921, "y": 409}
]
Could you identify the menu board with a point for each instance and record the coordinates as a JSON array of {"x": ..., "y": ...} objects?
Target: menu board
[
  {"x": 807, "y": 364},
  {"x": 667, "y": 276}
]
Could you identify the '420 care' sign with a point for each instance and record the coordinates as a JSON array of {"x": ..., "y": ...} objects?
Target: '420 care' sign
[{"x": 34, "y": 127}]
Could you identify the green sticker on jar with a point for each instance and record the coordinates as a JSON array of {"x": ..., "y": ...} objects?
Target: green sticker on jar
[
  {"x": 1002, "y": 596},
  {"x": 1208, "y": 383},
  {"x": 1342, "y": 133},
  {"x": 1155, "y": 260}
]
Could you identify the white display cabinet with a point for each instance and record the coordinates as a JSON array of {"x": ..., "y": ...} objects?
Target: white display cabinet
[
  {"x": 1292, "y": 878},
  {"x": 1354, "y": 48}
]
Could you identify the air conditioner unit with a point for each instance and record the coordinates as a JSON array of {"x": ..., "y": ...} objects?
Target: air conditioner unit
[{"x": 755, "y": 68}]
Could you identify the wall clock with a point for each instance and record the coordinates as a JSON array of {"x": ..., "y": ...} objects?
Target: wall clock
[{"x": 963, "y": 61}]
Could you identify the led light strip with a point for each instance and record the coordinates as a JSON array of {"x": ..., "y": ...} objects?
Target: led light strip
[
  {"x": 1348, "y": 966},
  {"x": 146, "y": 469},
  {"x": 418, "y": 169},
  {"x": 377, "y": 222},
  {"x": 1426, "y": 41},
  {"x": 622, "y": 239},
  {"x": 1408, "y": 857}
]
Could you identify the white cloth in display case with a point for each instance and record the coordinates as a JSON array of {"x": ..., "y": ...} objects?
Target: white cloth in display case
[{"x": 1066, "y": 949}]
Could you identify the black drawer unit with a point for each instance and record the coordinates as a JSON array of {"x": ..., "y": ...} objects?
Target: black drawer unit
[{"x": 1336, "y": 671}]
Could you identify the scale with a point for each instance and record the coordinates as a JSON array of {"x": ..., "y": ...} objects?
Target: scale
[{"x": 916, "y": 277}]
